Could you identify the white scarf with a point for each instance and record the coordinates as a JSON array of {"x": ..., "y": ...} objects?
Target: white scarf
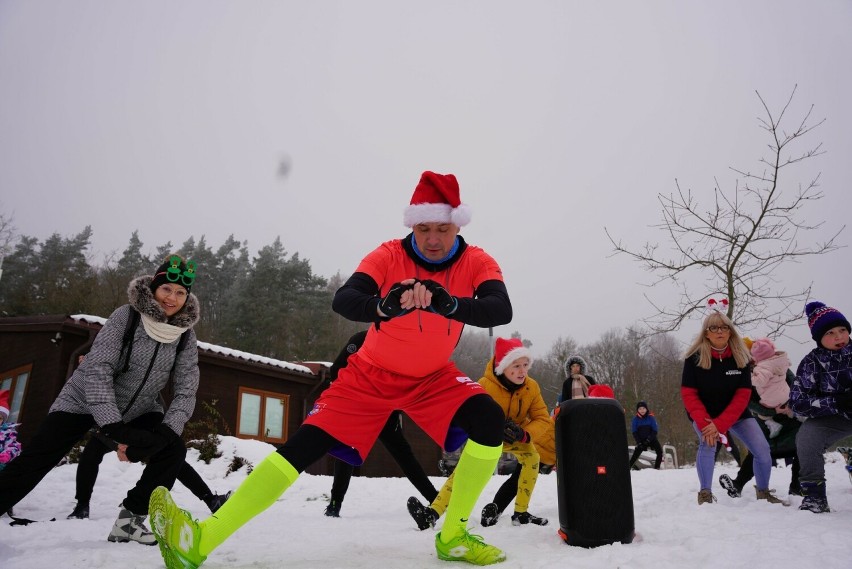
[{"x": 161, "y": 331}]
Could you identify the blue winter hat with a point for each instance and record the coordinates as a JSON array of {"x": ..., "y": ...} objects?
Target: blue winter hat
[{"x": 822, "y": 318}]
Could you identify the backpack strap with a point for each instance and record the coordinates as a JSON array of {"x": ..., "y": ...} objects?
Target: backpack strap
[{"x": 127, "y": 339}]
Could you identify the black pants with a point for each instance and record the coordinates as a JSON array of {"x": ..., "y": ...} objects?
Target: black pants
[
  {"x": 735, "y": 451},
  {"x": 394, "y": 441},
  {"x": 95, "y": 450},
  {"x": 56, "y": 436},
  {"x": 480, "y": 417},
  {"x": 642, "y": 447},
  {"x": 746, "y": 471}
]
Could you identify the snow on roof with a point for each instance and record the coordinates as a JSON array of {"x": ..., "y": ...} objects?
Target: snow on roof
[{"x": 215, "y": 349}]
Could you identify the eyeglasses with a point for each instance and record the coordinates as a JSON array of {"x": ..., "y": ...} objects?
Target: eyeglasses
[
  {"x": 174, "y": 274},
  {"x": 722, "y": 328}
]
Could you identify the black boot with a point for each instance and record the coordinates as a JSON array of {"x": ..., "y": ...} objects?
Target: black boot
[
  {"x": 815, "y": 500},
  {"x": 424, "y": 516},
  {"x": 81, "y": 511},
  {"x": 333, "y": 509}
]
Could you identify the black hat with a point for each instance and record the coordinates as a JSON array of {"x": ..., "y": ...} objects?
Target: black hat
[
  {"x": 175, "y": 270},
  {"x": 642, "y": 404}
]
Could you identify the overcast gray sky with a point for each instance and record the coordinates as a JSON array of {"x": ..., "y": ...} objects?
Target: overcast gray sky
[{"x": 559, "y": 118}]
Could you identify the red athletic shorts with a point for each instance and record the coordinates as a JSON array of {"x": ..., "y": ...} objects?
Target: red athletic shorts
[{"x": 357, "y": 404}]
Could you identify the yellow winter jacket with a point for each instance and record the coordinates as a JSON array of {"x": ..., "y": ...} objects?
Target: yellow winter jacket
[{"x": 527, "y": 408}]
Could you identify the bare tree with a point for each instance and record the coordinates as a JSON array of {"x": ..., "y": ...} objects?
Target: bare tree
[
  {"x": 737, "y": 244},
  {"x": 8, "y": 237}
]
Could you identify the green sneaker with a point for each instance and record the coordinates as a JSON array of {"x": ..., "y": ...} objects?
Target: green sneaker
[
  {"x": 470, "y": 548},
  {"x": 178, "y": 535}
]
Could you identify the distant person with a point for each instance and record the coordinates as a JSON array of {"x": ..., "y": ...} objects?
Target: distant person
[
  {"x": 577, "y": 380},
  {"x": 519, "y": 395},
  {"x": 9, "y": 445},
  {"x": 645, "y": 429},
  {"x": 118, "y": 390},
  {"x": 715, "y": 387},
  {"x": 417, "y": 293},
  {"x": 391, "y": 437},
  {"x": 822, "y": 392}
]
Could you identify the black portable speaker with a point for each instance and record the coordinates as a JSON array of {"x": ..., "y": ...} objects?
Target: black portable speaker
[{"x": 593, "y": 473}]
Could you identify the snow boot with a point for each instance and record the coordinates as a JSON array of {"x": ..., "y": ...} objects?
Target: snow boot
[
  {"x": 215, "y": 501},
  {"x": 769, "y": 497},
  {"x": 490, "y": 514},
  {"x": 706, "y": 497},
  {"x": 424, "y": 516},
  {"x": 523, "y": 518},
  {"x": 730, "y": 486},
  {"x": 81, "y": 512},
  {"x": 815, "y": 500},
  {"x": 130, "y": 527}
]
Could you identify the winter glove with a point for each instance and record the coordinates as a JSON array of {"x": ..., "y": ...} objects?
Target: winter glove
[
  {"x": 513, "y": 433},
  {"x": 443, "y": 302},
  {"x": 391, "y": 305},
  {"x": 123, "y": 433},
  {"x": 162, "y": 437},
  {"x": 844, "y": 401}
]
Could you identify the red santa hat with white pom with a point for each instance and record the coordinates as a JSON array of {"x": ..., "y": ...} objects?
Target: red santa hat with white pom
[
  {"x": 507, "y": 351},
  {"x": 436, "y": 200}
]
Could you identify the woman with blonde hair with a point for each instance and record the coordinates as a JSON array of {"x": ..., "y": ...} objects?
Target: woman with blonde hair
[{"x": 715, "y": 387}]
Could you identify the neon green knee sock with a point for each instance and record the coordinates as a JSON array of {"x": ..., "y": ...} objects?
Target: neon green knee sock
[
  {"x": 474, "y": 470},
  {"x": 259, "y": 491}
]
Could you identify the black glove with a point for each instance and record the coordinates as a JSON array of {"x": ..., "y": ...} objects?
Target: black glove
[
  {"x": 512, "y": 433},
  {"x": 123, "y": 433},
  {"x": 844, "y": 401},
  {"x": 162, "y": 437},
  {"x": 390, "y": 304},
  {"x": 443, "y": 302}
]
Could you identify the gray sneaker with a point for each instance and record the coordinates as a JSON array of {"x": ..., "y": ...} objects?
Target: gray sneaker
[{"x": 130, "y": 527}]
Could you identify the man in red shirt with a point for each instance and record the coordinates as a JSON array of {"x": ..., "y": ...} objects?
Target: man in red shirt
[{"x": 418, "y": 293}]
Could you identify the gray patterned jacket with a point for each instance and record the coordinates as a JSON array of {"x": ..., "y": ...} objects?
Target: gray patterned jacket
[{"x": 98, "y": 387}]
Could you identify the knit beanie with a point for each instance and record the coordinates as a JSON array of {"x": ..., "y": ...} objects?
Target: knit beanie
[
  {"x": 506, "y": 351},
  {"x": 4, "y": 405},
  {"x": 436, "y": 199},
  {"x": 175, "y": 270},
  {"x": 601, "y": 390},
  {"x": 822, "y": 318},
  {"x": 762, "y": 349},
  {"x": 642, "y": 404}
]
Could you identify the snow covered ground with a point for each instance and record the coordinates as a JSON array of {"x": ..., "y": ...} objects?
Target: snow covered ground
[{"x": 376, "y": 530}]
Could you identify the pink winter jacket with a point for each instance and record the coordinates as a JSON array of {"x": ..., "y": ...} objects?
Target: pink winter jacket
[{"x": 769, "y": 377}]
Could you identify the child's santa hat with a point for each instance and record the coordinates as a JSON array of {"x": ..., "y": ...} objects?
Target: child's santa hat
[
  {"x": 4, "y": 405},
  {"x": 507, "y": 351},
  {"x": 436, "y": 200}
]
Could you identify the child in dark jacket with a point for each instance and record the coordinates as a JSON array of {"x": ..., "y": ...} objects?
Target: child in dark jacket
[
  {"x": 644, "y": 427},
  {"x": 822, "y": 393}
]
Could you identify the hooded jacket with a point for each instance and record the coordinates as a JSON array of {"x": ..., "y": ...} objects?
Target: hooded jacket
[
  {"x": 99, "y": 388},
  {"x": 568, "y": 383},
  {"x": 769, "y": 378},
  {"x": 524, "y": 405}
]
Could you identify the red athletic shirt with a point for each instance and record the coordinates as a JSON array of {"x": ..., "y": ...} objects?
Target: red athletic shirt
[{"x": 420, "y": 342}]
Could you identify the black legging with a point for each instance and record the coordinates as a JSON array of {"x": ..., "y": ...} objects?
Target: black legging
[
  {"x": 746, "y": 471},
  {"x": 642, "y": 447},
  {"x": 58, "y": 433},
  {"x": 479, "y": 416},
  {"x": 394, "y": 441}
]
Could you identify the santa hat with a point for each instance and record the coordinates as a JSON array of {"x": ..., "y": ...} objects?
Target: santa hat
[
  {"x": 822, "y": 318},
  {"x": 507, "y": 351},
  {"x": 762, "y": 349},
  {"x": 4, "y": 405},
  {"x": 436, "y": 200},
  {"x": 601, "y": 390}
]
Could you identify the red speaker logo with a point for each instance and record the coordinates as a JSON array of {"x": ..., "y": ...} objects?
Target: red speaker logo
[{"x": 602, "y": 470}]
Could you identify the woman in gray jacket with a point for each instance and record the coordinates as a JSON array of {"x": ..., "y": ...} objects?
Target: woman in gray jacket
[{"x": 117, "y": 389}]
